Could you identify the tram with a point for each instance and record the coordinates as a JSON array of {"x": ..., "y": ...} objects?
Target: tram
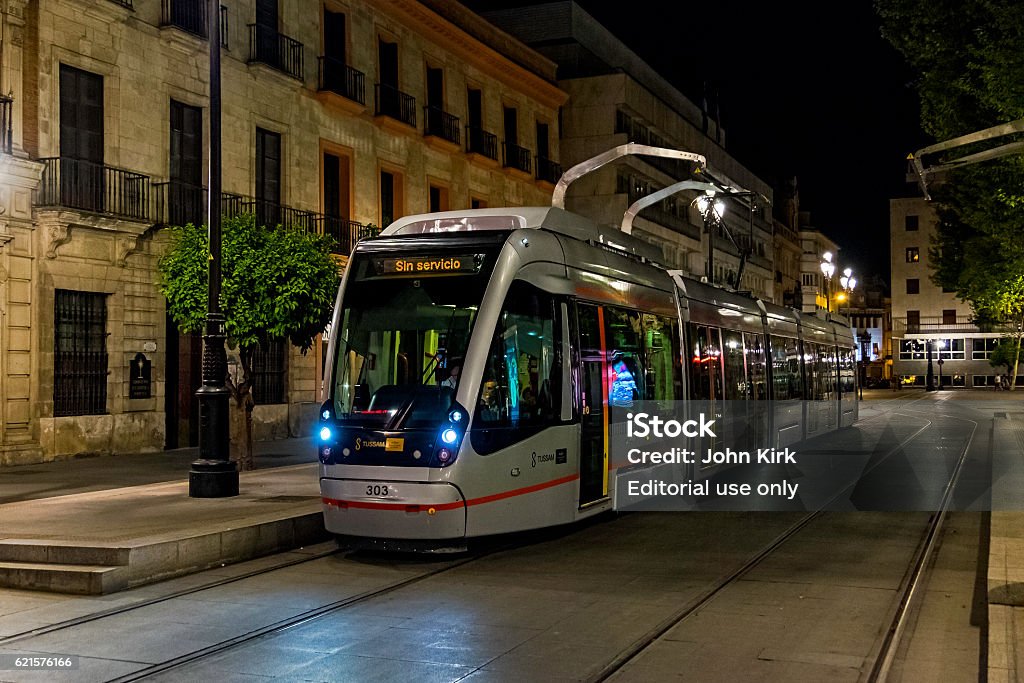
[{"x": 467, "y": 382}]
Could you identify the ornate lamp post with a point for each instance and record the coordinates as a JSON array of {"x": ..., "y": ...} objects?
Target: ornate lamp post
[
  {"x": 213, "y": 475},
  {"x": 848, "y": 283},
  {"x": 828, "y": 269},
  {"x": 711, "y": 210},
  {"x": 941, "y": 343}
]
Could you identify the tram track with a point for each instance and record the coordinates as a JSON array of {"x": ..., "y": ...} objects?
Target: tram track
[
  {"x": 24, "y": 638},
  {"x": 926, "y": 548},
  {"x": 620, "y": 661},
  {"x": 125, "y": 609},
  {"x": 910, "y": 594}
]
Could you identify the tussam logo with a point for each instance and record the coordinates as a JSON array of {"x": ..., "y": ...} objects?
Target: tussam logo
[{"x": 360, "y": 444}]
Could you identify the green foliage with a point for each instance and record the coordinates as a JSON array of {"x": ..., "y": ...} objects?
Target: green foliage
[
  {"x": 970, "y": 57},
  {"x": 1005, "y": 354},
  {"x": 275, "y": 282}
]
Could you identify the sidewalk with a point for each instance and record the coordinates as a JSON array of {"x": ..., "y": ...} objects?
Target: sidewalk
[{"x": 103, "y": 524}]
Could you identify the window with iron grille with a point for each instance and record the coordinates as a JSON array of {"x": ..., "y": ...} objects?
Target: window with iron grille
[
  {"x": 270, "y": 372},
  {"x": 79, "y": 353}
]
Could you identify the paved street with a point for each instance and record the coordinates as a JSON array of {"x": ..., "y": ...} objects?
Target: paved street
[{"x": 709, "y": 596}]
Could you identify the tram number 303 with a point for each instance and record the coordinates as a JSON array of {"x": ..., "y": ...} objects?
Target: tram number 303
[{"x": 378, "y": 490}]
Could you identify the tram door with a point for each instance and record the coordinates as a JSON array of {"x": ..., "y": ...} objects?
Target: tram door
[{"x": 594, "y": 405}]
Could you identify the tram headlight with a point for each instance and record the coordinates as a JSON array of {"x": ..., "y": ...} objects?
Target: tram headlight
[
  {"x": 444, "y": 455},
  {"x": 325, "y": 433},
  {"x": 449, "y": 436},
  {"x": 455, "y": 416}
]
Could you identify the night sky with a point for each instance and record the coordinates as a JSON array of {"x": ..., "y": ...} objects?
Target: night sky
[{"x": 809, "y": 90}]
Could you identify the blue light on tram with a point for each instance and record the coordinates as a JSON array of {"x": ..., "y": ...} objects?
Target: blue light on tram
[
  {"x": 325, "y": 433},
  {"x": 449, "y": 436},
  {"x": 455, "y": 416}
]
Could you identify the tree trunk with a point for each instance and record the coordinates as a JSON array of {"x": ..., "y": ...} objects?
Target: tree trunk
[
  {"x": 241, "y": 415},
  {"x": 1016, "y": 365}
]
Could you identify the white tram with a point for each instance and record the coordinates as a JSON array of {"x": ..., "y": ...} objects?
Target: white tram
[{"x": 464, "y": 372}]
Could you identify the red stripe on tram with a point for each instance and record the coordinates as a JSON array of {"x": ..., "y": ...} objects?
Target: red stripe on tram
[{"x": 439, "y": 507}]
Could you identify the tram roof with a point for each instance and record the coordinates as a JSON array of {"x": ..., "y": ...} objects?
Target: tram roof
[{"x": 523, "y": 217}]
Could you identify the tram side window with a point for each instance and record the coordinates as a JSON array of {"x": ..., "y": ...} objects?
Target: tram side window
[
  {"x": 847, "y": 365},
  {"x": 756, "y": 372},
  {"x": 705, "y": 362},
  {"x": 625, "y": 353},
  {"x": 826, "y": 371},
  {"x": 786, "y": 368},
  {"x": 813, "y": 371},
  {"x": 733, "y": 362},
  {"x": 661, "y": 358},
  {"x": 523, "y": 376}
]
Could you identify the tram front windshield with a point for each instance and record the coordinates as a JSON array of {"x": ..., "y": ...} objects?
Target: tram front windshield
[{"x": 404, "y": 329}]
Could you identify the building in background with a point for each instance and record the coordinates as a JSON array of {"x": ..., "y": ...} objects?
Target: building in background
[
  {"x": 615, "y": 98},
  {"x": 869, "y": 310},
  {"x": 815, "y": 289},
  {"x": 335, "y": 116},
  {"x": 928, "y": 320}
]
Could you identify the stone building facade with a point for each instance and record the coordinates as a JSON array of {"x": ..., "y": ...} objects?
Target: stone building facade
[
  {"x": 336, "y": 115},
  {"x": 928, "y": 322},
  {"x": 615, "y": 98}
]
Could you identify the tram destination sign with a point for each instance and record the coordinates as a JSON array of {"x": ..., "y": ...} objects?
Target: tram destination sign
[{"x": 437, "y": 264}]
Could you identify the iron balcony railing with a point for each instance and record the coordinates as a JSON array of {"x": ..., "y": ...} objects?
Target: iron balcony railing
[
  {"x": 267, "y": 46},
  {"x": 392, "y": 102},
  {"x": 937, "y": 324},
  {"x": 514, "y": 156},
  {"x": 548, "y": 170},
  {"x": 179, "y": 203},
  {"x": 6, "y": 129},
  {"x": 88, "y": 186},
  {"x": 345, "y": 232},
  {"x": 191, "y": 16},
  {"x": 479, "y": 141},
  {"x": 333, "y": 75},
  {"x": 440, "y": 123}
]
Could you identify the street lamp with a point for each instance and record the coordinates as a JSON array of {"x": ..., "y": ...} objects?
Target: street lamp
[
  {"x": 828, "y": 269},
  {"x": 848, "y": 283},
  {"x": 213, "y": 475},
  {"x": 711, "y": 210},
  {"x": 941, "y": 343}
]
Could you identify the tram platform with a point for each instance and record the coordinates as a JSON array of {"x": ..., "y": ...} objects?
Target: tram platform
[{"x": 104, "y": 524}]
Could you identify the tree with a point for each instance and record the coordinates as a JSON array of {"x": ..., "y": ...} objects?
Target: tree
[
  {"x": 970, "y": 56},
  {"x": 1006, "y": 355},
  {"x": 276, "y": 283}
]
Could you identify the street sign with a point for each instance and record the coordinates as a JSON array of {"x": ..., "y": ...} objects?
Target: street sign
[{"x": 941, "y": 361}]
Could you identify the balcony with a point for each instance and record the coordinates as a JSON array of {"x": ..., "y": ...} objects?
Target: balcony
[
  {"x": 335, "y": 76},
  {"x": 479, "y": 141},
  {"x": 345, "y": 232},
  {"x": 391, "y": 102},
  {"x": 178, "y": 203},
  {"x": 441, "y": 124},
  {"x": 88, "y": 186},
  {"x": 191, "y": 16},
  {"x": 549, "y": 171},
  {"x": 514, "y": 156},
  {"x": 278, "y": 51},
  {"x": 941, "y": 325},
  {"x": 6, "y": 130}
]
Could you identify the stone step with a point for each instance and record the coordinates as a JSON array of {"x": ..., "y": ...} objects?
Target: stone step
[
  {"x": 54, "y": 552},
  {"x": 81, "y": 579}
]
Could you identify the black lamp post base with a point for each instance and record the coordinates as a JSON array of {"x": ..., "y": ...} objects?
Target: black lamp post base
[{"x": 212, "y": 479}]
